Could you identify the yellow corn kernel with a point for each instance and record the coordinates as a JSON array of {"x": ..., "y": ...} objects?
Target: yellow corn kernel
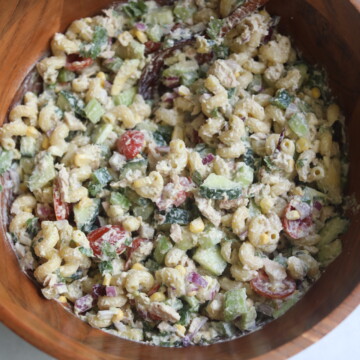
[
  {"x": 180, "y": 329},
  {"x": 264, "y": 239},
  {"x": 293, "y": 215},
  {"x": 140, "y": 36},
  {"x": 27, "y": 209},
  {"x": 139, "y": 266},
  {"x": 158, "y": 297},
  {"x": 266, "y": 204},
  {"x": 131, "y": 223},
  {"x": 302, "y": 145},
  {"x": 62, "y": 299},
  {"x": 118, "y": 317},
  {"x": 31, "y": 131},
  {"x": 107, "y": 279},
  {"x": 197, "y": 226},
  {"x": 181, "y": 269},
  {"x": 45, "y": 143},
  {"x": 82, "y": 159},
  {"x": 315, "y": 92},
  {"x": 100, "y": 75}
]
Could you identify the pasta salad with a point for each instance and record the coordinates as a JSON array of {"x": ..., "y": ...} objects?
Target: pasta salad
[{"x": 179, "y": 178}]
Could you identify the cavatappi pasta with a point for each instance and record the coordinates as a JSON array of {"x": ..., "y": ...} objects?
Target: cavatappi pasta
[{"x": 180, "y": 175}]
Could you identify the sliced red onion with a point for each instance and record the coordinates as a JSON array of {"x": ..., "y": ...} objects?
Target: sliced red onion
[
  {"x": 84, "y": 303},
  {"x": 141, "y": 26},
  {"x": 44, "y": 212},
  {"x": 98, "y": 290},
  {"x": 194, "y": 328},
  {"x": 171, "y": 81},
  {"x": 111, "y": 291},
  {"x": 197, "y": 279},
  {"x": 169, "y": 97},
  {"x": 208, "y": 159},
  {"x": 318, "y": 205}
]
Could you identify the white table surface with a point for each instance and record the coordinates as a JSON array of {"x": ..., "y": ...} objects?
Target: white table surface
[{"x": 342, "y": 343}]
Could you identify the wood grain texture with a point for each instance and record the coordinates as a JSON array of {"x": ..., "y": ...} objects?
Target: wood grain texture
[{"x": 327, "y": 32}]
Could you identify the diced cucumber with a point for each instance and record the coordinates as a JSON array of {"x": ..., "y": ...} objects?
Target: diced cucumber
[
  {"x": 235, "y": 304},
  {"x": 164, "y": 132},
  {"x": 32, "y": 226},
  {"x": 120, "y": 199},
  {"x": 219, "y": 187},
  {"x": 134, "y": 50},
  {"x": 99, "y": 41},
  {"x": 160, "y": 16},
  {"x": 193, "y": 302},
  {"x": 286, "y": 305},
  {"x": 145, "y": 209},
  {"x": 177, "y": 216},
  {"x": 256, "y": 85},
  {"x": 247, "y": 319},
  {"x": 101, "y": 176},
  {"x": 101, "y": 133},
  {"x": 27, "y": 146},
  {"x": 332, "y": 230},
  {"x": 65, "y": 75},
  {"x": 67, "y": 101},
  {"x": 154, "y": 32},
  {"x": 132, "y": 196},
  {"x": 282, "y": 99},
  {"x": 162, "y": 246},
  {"x": 211, "y": 260},
  {"x": 196, "y": 178},
  {"x": 210, "y": 237},
  {"x": 133, "y": 165},
  {"x": 113, "y": 64},
  {"x": 6, "y": 158},
  {"x": 187, "y": 241},
  {"x": 298, "y": 124},
  {"x": 249, "y": 157},
  {"x": 329, "y": 252},
  {"x": 85, "y": 213},
  {"x": 43, "y": 173},
  {"x": 244, "y": 174},
  {"x": 126, "y": 97},
  {"x": 94, "y": 111}
]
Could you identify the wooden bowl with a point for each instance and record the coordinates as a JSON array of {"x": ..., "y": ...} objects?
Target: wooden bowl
[{"x": 327, "y": 31}]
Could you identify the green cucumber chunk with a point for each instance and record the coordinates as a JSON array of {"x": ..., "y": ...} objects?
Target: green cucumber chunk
[
  {"x": 162, "y": 246},
  {"x": 210, "y": 237},
  {"x": 145, "y": 209},
  {"x": 282, "y": 99},
  {"x": 6, "y": 158},
  {"x": 177, "y": 216},
  {"x": 244, "y": 175},
  {"x": 117, "y": 198},
  {"x": 126, "y": 97},
  {"x": 101, "y": 133},
  {"x": 133, "y": 165},
  {"x": 235, "y": 304},
  {"x": 94, "y": 111},
  {"x": 65, "y": 75},
  {"x": 43, "y": 173},
  {"x": 99, "y": 41},
  {"x": 211, "y": 260},
  {"x": 298, "y": 124},
  {"x": 219, "y": 187},
  {"x": 85, "y": 213},
  {"x": 113, "y": 64}
]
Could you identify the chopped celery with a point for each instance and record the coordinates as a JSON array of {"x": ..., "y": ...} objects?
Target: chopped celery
[
  {"x": 162, "y": 246},
  {"x": 145, "y": 209},
  {"x": 181, "y": 68},
  {"x": 120, "y": 199},
  {"x": 211, "y": 260},
  {"x": 113, "y": 64},
  {"x": 244, "y": 174},
  {"x": 94, "y": 111},
  {"x": 101, "y": 176},
  {"x": 101, "y": 132},
  {"x": 286, "y": 305},
  {"x": 126, "y": 97},
  {"x": 5, "y": 161},
  {"x": 282, "y": 99},
  {"x": 214, "y": 28},
  {"x": 235, "y": 304},
  {"x": 65, "y": 76},
  {"x": 299, "y": 125}
]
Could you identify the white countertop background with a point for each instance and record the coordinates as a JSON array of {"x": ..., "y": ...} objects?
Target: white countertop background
[{"x": 343, "y": 343}]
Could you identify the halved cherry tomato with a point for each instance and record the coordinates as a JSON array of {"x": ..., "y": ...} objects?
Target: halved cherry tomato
[
  {"x": 131, "y": 143},
  {"x": 301, "y": 227},
  {"x": 61, "y": 208},
  {"x": 74, "y": 62},
  {"x": 262, "y": 286},
  {"x": 114, "y": 235}
]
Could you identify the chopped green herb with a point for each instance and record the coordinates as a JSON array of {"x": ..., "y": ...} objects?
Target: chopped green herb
[
  {"x": 105, "y": 267},
  {"x": 32, "y": 226},
  {"x": 221, "y": 51},
  {"x": 282, "y": 99}
]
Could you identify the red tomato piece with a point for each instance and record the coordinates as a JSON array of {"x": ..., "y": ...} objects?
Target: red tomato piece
[
  {"x": 74, "y": 62},
  {"x": 131, "y": 143},
  {"x": 262, "y": 286},
  {"x": 61, "y": 208},
  {"x": 301, "y": 227},
  {"x": 152, "y": 46},
  {"x": 113, "y": 235}
]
